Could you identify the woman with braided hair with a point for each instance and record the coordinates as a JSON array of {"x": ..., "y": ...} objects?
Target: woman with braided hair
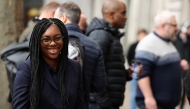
[{"x": 48, "y": 79}]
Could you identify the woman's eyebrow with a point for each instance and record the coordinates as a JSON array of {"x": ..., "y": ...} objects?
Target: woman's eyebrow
[
  {"x": 45, "y": 36},
  {"x": 54, "y": 35},
  {"x": 58, "y": 35}
]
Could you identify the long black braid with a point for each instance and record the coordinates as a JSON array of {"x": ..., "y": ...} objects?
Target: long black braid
[{"x": 37, "y": 62}]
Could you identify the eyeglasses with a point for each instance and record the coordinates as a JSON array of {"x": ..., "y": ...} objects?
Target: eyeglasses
[
  {"x": 57, "y": 40},
  {"x": 174, "y": 25}
]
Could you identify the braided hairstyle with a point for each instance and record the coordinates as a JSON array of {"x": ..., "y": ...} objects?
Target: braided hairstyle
[{"x": 37, "y": 62}]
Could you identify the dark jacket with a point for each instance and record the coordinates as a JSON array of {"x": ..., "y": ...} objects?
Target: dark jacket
[
  {"x": 93, "y": 64},
  {"x": 187, "y": 85},
  {"x": 131, "y": 53},
  {"x": 109, "y": 40},
  {"x": 183, "y": 47},
  {"x": 50, "y": 97}
]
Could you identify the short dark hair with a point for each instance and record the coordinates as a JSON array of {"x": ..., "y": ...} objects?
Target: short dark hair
[
  {"x": 142, "y": 31},
  {"x": 71, "y": 10}
]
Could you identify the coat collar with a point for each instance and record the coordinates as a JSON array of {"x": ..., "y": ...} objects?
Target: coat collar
[
  {"x": 49, "y": 79},
  {"x": 101, "y": 24},
  {"x": 72, "y": 26},
  {"x": 48, "y": 76}
]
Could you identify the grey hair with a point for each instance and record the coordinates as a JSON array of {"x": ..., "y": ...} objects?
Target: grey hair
[
  {"x": 163, "y": 17},
  {"x": 71, "y": 10}
]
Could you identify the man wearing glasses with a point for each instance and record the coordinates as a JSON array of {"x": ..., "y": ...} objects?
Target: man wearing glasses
[{"x": 159, "y": 86}]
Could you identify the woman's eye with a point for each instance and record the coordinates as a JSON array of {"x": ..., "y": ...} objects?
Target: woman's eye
[
  {"x": 46, "y": 40},
  {"x": 57, "y": 38}
]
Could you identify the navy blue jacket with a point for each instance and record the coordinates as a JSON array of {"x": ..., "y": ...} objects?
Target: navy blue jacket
[
  {"x": 50, "y": 97},
  {"x": 94, "y": 70}
]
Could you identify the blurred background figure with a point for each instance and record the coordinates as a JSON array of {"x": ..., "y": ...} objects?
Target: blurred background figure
[
  {"x": 130, "y": 56},
  {"x": 159, "y": 86},
  {"x": 131, "y": 53},
  {"x": 182, "y": 43},
  {"x": 106, "y": 33},
  {"x": 83, "y": 23},
  {"x": 47, "y": 11}
]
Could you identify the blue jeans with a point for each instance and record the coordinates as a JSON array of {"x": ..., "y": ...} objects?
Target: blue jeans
[{"x": 133, "y": 86}]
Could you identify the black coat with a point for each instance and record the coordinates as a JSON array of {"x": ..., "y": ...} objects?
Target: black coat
[
  {"x": 131, "y": 53},
  {"x": 184, "y": 51},
  {"x": 50, "y": 97},
  {"x": 187, "y": 85},
  {"x": 183, "y": 48},
  {"x": 109, "y": 40}
]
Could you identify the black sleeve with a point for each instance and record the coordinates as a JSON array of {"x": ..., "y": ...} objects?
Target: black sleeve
[
  {"x": 127, "y": 76},
  {"x": 187, "y": 85},
  {"x": 102, "y": 38},
  {"x": 103, "y": 100},
  {"x": 99, "y": 78},
  {"x": 21, "y": 87},
  {"x": 131, "y": 53},
  {"x": 80, "y": 104}
]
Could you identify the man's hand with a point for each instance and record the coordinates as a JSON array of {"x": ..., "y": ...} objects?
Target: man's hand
[
  {"x": 131, "y": 69},
  {"x": 140, "y": 70},
  {"x": 150, "y": 103},
  {"x": 184, "y": 65}
]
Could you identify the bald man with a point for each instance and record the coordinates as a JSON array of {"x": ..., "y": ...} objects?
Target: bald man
[
  {"x": 47, "y": 11},
  {"x": 105, "y": 32}
]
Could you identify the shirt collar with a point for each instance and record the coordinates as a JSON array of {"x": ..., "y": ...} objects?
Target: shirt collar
[
  {"x": 167, "y": 40},
  {"x": 49, "y": 67}
]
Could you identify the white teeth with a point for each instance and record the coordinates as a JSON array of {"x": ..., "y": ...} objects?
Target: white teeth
[{"x": 52, "y": 50}]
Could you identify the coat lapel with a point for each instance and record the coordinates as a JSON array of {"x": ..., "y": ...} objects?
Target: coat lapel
[
  {"x": 49, "y": 79},
  {"x": 68, "y": 79}
]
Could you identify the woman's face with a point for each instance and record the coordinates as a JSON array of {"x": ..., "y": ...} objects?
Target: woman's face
[{"x": 51, "y": 43}]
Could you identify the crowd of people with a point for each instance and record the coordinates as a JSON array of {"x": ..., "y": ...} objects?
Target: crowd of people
[{"x": 48, "y": 79}]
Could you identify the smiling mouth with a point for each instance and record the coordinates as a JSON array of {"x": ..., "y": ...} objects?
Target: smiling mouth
[{"x": 53, "y": 50}]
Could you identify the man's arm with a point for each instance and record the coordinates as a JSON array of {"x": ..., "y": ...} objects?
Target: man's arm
[
  {"x": 80, "y": 104},
  {"x": 100, "y": 37},
  {"x": 99, "y": 81},
  {"x": 100, "y": 71},
  {"x": 148, "y": 61},
  {"x": 131, "y": 53},
  {"x": 22, "y": 87},
  {"x": 144, "y": 85}
]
